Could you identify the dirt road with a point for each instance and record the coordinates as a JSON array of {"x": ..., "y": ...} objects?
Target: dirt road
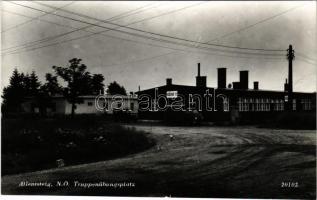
[{"x": 244, "y": 162}]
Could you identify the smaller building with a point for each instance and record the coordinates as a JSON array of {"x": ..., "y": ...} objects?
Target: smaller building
[{"x": 89, "y": 104}]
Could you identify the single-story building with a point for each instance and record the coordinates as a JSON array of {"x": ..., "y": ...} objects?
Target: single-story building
[{"x": 89, "y": 104}]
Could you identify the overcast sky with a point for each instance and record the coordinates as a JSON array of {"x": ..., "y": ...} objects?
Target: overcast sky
[{"x": 134, "y": 61}]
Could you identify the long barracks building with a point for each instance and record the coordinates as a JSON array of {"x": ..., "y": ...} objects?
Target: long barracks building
[{"x": 223, "y": 102}]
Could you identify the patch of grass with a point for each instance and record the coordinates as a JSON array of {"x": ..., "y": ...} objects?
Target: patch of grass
[{"x": 35, "y": 144}]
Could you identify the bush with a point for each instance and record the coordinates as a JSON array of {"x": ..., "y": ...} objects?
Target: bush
[{"x": 35, "y": 144}]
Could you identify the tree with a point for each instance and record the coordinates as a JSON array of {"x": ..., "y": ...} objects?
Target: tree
[
  {"x": 26, "y": 83},
  {"x": 114, "y": 88},
  {"x": 97, "y": 85},
  {"x": 13, "y": 95},
  {"x": 34, "y": 85},
  {"x": 31, "y": 84},
  {"x": 51, "y": 87},
  {"x": 79, "y": 81},
  {"x": 47, "y": 91},
  {"x": 20, "y": 87},
  {"x": 16, "y": 80}
]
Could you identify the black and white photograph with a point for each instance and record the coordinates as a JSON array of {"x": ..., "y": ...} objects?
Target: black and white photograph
[{"x": 176, "y": 99}]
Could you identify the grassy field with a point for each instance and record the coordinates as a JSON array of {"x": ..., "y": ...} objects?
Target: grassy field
[{"x": 36, "y": 144}]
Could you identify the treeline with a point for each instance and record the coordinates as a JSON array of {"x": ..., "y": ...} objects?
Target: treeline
[{"x": 79, "y": 81}]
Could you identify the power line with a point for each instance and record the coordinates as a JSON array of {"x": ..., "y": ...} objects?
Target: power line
[
  {"x": 29, "y": 21},
  {"x": 28, "y": 44},
  {"x": 94, "y": 33},
  {"x": 146, "y": 59},
  {"x": 85, "y": 16},
  {"x": 222, "y": 55},
  {"x": 303, "y": 78},
  {"x": 173, "y": 11},
  {"x": 305, "y": 57},
  {"x": 125, "y": 26},
  {"x": 142, "y": 20},
  {"x": 29, "y": 17},
  {"x": 149, "y": 44},
  {"x": 88, "y": 22},
  {"x": 307, "y": 61},
  {"x": 135, "y": 22},
  {"x": 184, "y": 51},
  {"x": 257, "y": 23},
  {"x": 120, "y": 16},
  {"x": 147, "y": 32},
  {"x": 156, "y": 39},
  {"x": 169, "y": 53},
  {"x": 145, "y": 19}
]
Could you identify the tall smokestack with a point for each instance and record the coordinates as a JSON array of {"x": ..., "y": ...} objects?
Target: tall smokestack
[
  {"x": 244, "y": 79},
  {"x": 290, "y": 55},
  {"x": 285, "y": 86},
  {"x": 201, "y": 81},
  {"x": 222, "y": 73}
]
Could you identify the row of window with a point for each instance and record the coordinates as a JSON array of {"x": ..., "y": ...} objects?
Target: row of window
[
  {"x": 264, "y": 104},
  {"x": 259, "y": 100},
  {"x": 260, "y": 104},
  {"x": 306, "y": 104},
  {"x": 248, "y": 104}
]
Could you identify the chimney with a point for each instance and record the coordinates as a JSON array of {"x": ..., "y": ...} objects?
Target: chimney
[
  {"x": 222, "y": 73},
  {"x": 168, "y": 81},
  {"x": 256, "y": 85},
  {"x": 236, "y": 85},
  {"x": 285, "y": 86},
  {"x": 201, "y": 81},
  {"x": 244, "y": 79},
  {"x": 139, "y": 88}
]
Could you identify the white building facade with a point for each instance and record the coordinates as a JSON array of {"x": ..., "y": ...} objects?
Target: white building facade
[{"x": 101, "y": 104}]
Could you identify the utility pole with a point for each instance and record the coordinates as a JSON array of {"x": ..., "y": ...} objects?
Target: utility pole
[{"x": 290, "y": 57}]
